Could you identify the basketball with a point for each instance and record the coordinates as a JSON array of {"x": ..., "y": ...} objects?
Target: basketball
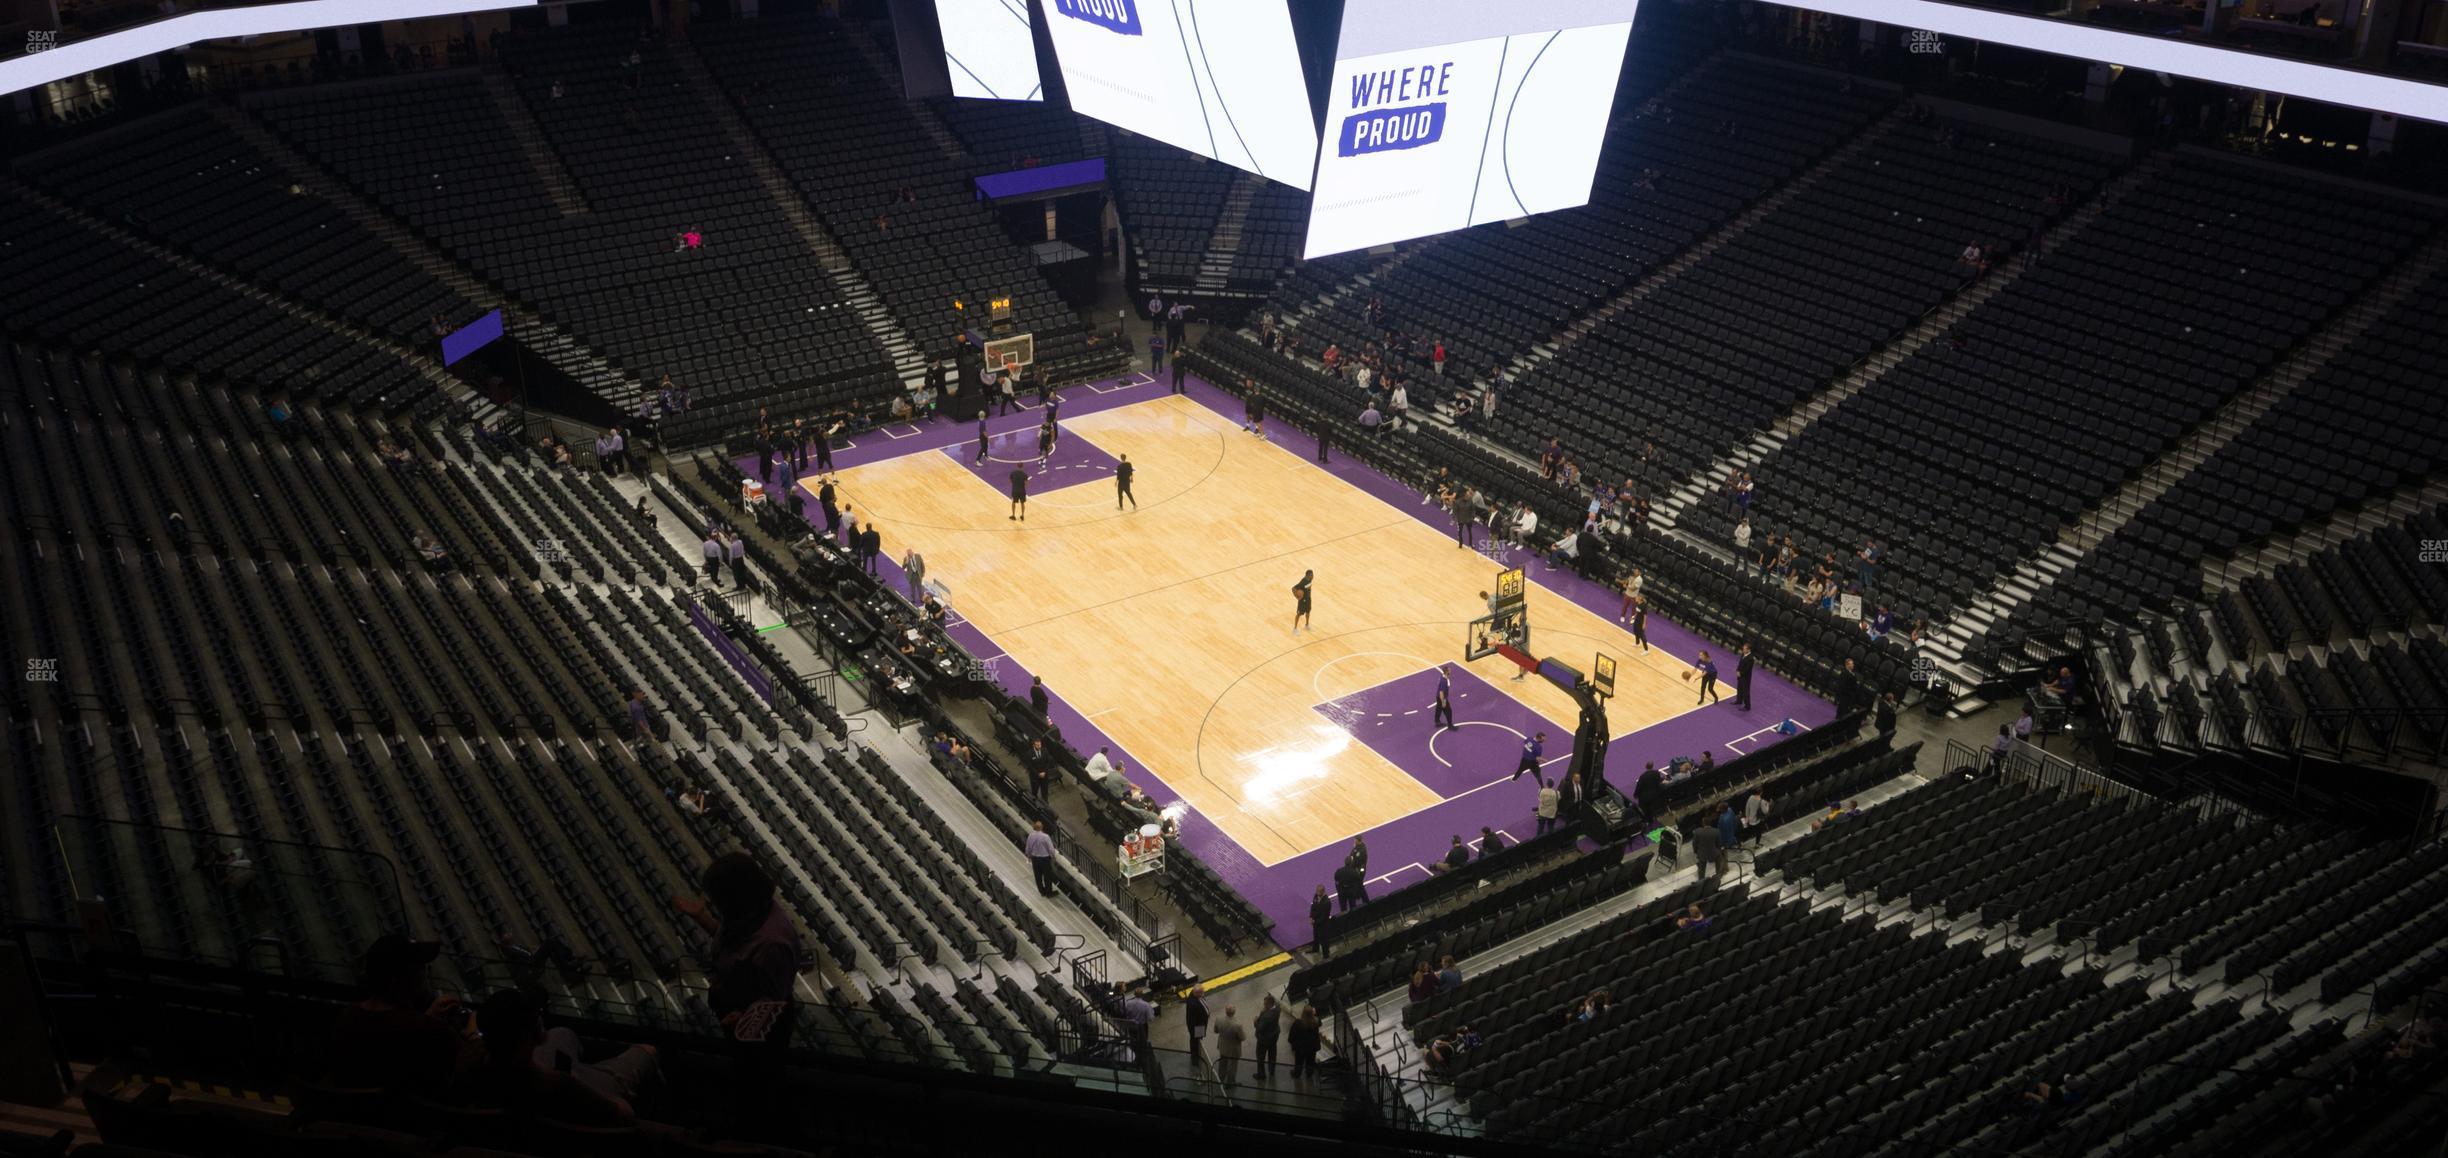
[{"x": 1687, "y": 677}]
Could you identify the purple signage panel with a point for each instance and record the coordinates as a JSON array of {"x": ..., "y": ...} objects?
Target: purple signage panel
[
  {"x": 1042, "y": 179},
  {"x": 474, "y": 336}
]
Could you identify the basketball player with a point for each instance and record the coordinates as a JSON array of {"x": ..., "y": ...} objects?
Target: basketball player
[
  {"x": 1640, "y": 623},
  {"x": 1708, "y": 678},
  {"x": 1019, "y": 493},
  {"x": 1444, "y": 697},
  {"x": 981, "y": 454},
  {"x": 1045, "y": 445},
  {"x": 1300, "y": 602},
  {"x": 824, "y": 446},
  {"x": 1532, "y": 748},
  {"x": 1122, "y": 481}
]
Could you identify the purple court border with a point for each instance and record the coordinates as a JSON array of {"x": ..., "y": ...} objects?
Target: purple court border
[{"x": 1397, "y": 846}]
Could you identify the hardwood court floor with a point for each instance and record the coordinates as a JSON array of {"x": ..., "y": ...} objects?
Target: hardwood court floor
[{"x": 1170, "y": 627}]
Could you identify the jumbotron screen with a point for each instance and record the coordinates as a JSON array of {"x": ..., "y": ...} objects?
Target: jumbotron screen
[
  {"x": 1221, "y": 78},
  {"x": 1444, "y": 114},
  {"x": 988, "y": 50}
]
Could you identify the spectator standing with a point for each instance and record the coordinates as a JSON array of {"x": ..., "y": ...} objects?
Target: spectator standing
[
  {"x": 1997, "y": 749},
  {"x": 641, "y": 718},
  {"x": 1705, "y": 853},
  {"x": 1755, "y": 812},
  {"x": 2023, "y": 725},
  {"x": 1040, "y": 849},
  {"x": 1548, "y": 798},
  {"x": 1729, "y": 830},
  {"x": 1305, "y": 1038},
  {"x": 1266, "y": 1030},
  {"x": 713, "y": 558},
  {"x": 736, "y": 550},
  {"x": 913, "y": 566},
  {"x": 1229, "y": 1036},
  {"x": 1140, "y": 1014},
  {"x": 1194, "y": 1020}
]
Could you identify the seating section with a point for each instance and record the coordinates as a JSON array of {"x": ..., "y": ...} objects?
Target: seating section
[
  {"x": 2110, "y": 349},
  {"x": 209, "y": 194},
  {"x": 1728, "y": 133},
  {"x": 275, "y": 672},
  {"x": 2362, "y": 426},
  {"x": 906, "y": 214},
  {"x": 747, "y": 318},
  {"x": 190, "y": 324},
  {"x": 1170, "y": 199},
  {"x": 2310, "y": 640},
  {"x": 1005, "y": 135},
  {"x": 1964, "y": 1031},
  {"x": 1851, "y": 262}
]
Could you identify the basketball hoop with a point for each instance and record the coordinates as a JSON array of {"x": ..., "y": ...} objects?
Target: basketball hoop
[{"x": 1007, "y": 355}]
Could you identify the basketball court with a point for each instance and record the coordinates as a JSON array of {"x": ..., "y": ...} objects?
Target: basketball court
[{"x": 1165, "y": 632}]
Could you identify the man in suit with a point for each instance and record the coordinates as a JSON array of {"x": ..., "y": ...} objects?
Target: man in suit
[
  {"x": 829, "y": 499},
  {"x": 1465, "y": 511},
  {"x": 1037, "y": 696},
  {"x": 1649, "y": 792},
  {"x": 1321, "y": 911},
  {"x": 1351, "y": 887},
  {"x": 765, "y": 456},
  {"x": 1705, "y": 851},
  {"x": 1267, "y": 1028},
  {"x": 1194, "y": 1019},
  {"x": 1742, "y": 679}
]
